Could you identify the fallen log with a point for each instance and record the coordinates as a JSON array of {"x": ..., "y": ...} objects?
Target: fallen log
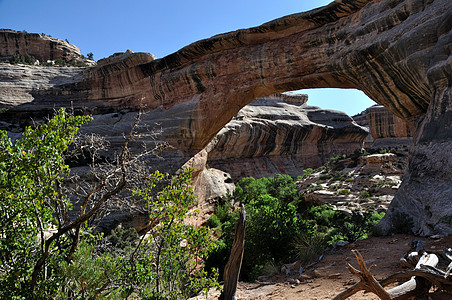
[{"x": 421, "y": 279}]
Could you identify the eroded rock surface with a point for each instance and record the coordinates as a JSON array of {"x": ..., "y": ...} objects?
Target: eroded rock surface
[
  {"x": 356, "y": 183},
  {"x": 388, "y": 130},
  {"x": 40, "y": 46},
  {"x": 281, "y": 134},
  {"x": 397, "y": 52}
]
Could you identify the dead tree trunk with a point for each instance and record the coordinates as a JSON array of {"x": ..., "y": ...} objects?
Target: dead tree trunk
[
  {"x": 232, "y": 269},
  {"x": 421, "y": 279}
]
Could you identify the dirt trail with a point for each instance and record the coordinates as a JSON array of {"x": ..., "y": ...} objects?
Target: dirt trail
[{"x": 333, "y": 276}]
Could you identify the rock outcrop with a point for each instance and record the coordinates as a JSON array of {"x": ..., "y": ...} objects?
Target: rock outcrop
[
  {"x": 397, "y": 52},
  {"x": 40, "y": 46},
  {"x": 281, "y": 134},
  {"x": 388, "y": 130},
  {"x": 22, "y": 84},
  {"x": 361, "y": 119},
  {"x": 356, "y": 183}
]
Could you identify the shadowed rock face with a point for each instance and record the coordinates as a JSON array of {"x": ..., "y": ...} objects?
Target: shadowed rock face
[
  {"x": 397, "y": 51},
  {"x": 280, "y": 135},
  {"x": 383, "y": 124},
  {"x": 388, "y": 130}
]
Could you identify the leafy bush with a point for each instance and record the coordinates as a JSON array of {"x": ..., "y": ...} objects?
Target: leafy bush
[
  {"x": 20, "y": 59},
  {"x": 271, "y": 227},
  {"x": 364, "y": 194},
  {"x": 343, "y": 191},
  {"x": 171, "y": 262},
  {"x": 44, "y": 254},
  {"x": 281, "y": 227},
  {"x": 356, "y": 226},
  {"x": 272, "y": 222}
]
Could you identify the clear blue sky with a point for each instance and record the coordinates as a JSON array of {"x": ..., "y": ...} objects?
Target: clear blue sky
[{"x": 159, "y": 27}]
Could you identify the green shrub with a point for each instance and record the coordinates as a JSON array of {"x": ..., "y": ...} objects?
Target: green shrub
[
  {"x": 76, "y": 262},
  {"x": 355, "y": 227},
  {"x": 343, "y": 192},
  {"x": 364, "y": 194},
  {"x": 276, "y": 216},
  {"x": 60, "y": 62},
  {"x": 309, "y": 246},
  {"x": 271, "y": 225}
]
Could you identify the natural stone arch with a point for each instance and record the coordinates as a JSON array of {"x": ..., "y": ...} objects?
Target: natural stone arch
[
  {"x": 383, "y": 48},
  {"x": 397, "y": 51}
]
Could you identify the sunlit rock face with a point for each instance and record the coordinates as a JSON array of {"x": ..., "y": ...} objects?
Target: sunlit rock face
[
  {"x": 281, "y": 134},
  {"x": 397, "y": 52},
  {"x": 40, "y": 46}
]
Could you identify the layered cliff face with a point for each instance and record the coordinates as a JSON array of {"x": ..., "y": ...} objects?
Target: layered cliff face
[
  {"x": 388, "y": 130},
  {"x": 385, "y": 129},
  {"x": 397, "y": 52},
  {"x": 37, "y": 45},
  {"x": 281, "y": 134}
]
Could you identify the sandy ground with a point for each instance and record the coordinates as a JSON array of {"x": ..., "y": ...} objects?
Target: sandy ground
[{"x": 330, "y": 276}]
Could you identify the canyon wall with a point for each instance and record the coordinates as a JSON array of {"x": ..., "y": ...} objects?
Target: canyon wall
[
  {"x": 398, "y": 52},
  {"x": 281, "y": 134},
  {"x": 386, "y": 130},
  {"x": 40, "y": 46}
]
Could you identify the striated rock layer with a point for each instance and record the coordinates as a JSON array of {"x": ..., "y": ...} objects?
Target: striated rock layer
[
  {"x": 38, "y": 45},
  {"x": 388, "y": 130},
  {"x": 397, "y": 52},
  {"x": 280, "y": 135}
]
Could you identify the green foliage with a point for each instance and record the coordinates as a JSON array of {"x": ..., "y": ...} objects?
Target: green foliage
[
  {"x": 20, "y": 59},
  {"x": 280, "y": 230},
  {"x": 123, "y": 239},
  {"x": 356, "y": 226},
  {"x": 341, "y": 226},
  {"x": 223, "y": 222},
  {"x": 272, "y": 222},
  {"x": 60, "y": 62},
  {"x": 364, "y": 194},
  {"x": 87, "y": 275},
  {"x": 309, "y": 246},
  {"x": 306, "y": 173},
  {"x": 282, "y": 187},
  {"x": 45, "y": 256},
  {"x": 343, "y": 191},
  {"x": 30, "y": 170},
  {"x": 271, "y": 226},
  {"x": 174, "y": 269},
  {"x": 90, "y": 55}
]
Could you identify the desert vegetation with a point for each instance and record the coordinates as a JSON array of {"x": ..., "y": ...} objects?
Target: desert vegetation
[
  {"x": 31, "y": 60},
  {"x": 282, "y": 227},
  {"x": 49, "y": 246}
]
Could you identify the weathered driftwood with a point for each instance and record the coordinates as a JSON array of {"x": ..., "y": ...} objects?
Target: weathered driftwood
[
  {"x": 232, "y": 269},
  {"x": 420, "y": 280}
]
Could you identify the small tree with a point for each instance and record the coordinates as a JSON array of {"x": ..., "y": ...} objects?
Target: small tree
[
  {"x": 172, "y": 260},
  {"x": 30, "y": 171},
  {"x": 90, "y": 55},
  {"x": 49, "y": 247}
]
